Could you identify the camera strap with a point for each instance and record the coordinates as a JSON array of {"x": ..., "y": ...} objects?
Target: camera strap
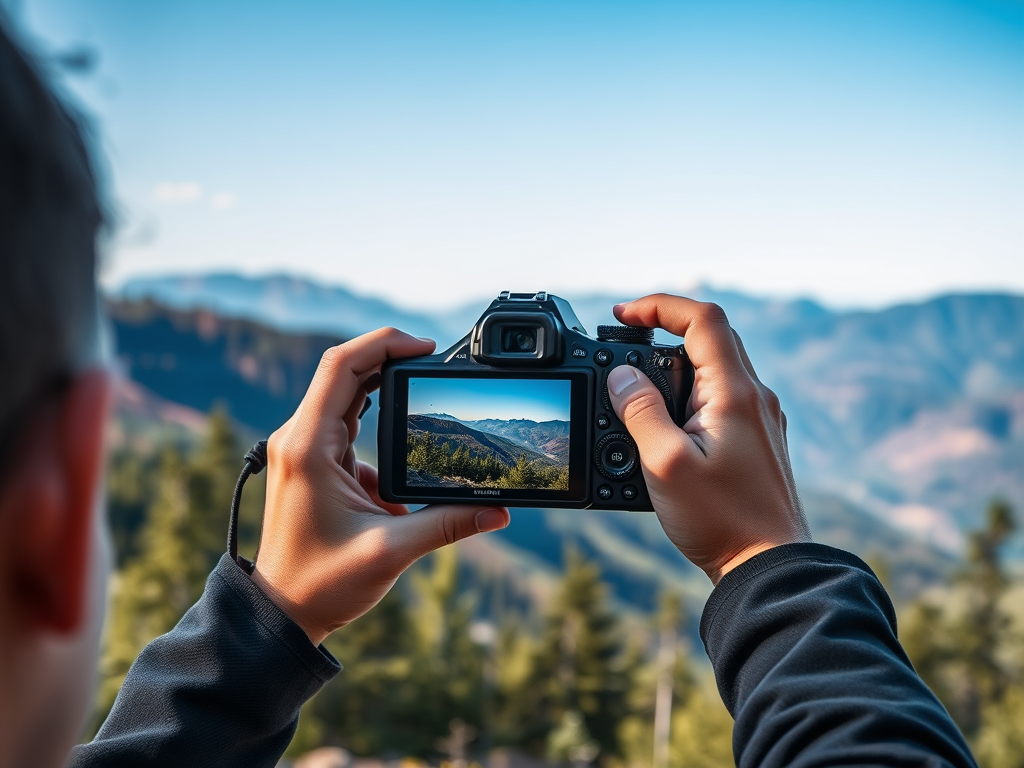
[{"x": 255, "y": 462}]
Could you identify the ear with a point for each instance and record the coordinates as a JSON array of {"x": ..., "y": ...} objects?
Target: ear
[{"x": 48, "y": 506}]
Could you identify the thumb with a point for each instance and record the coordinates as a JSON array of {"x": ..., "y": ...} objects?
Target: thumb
[
  {"x": 433, "y": 527},
  {"x": 641, "y": 407}
]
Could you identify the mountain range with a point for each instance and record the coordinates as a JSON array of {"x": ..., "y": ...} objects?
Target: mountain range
[
  {"x": 479, "y": 442},
  {"x": 550, "y": 438},
  {"x": 904, "y": 422},
  {"x": 914, "y": 413}
]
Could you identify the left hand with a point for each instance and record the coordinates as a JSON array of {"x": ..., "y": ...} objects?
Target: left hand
[{"x": 331, "y": 548}]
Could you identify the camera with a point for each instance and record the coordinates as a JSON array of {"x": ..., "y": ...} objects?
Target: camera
[{"x": 518, "y": 412}]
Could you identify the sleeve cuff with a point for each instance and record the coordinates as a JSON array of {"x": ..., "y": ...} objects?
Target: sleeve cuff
[
  {"x": 317, "y": 659},
  {"x": 764, "y": 562}
]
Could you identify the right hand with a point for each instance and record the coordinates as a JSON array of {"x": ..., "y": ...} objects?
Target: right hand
[{"x": 722, "y": 486}]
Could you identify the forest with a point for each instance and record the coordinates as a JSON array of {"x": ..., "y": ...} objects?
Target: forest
[
  {"x": 438, "y": 667},
  {"x": 455, "y": 462}
]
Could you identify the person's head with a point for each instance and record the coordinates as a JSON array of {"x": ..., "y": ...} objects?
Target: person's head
[{"x": 54, "y": 393}]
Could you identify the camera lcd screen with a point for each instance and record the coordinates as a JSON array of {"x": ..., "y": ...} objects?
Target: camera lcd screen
[{"x": 480, "y": 436}]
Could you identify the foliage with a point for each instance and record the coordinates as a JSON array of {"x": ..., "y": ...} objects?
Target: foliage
[
  {"x": 575, "y": 684},
  {"x": 174, "y": 548},
  {"x": 967, "y": 650}
]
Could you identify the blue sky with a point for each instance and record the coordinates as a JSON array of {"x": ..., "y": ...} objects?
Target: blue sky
[
  {"x": 472, "y": 399},
  {"x": 857, "y": 151}
]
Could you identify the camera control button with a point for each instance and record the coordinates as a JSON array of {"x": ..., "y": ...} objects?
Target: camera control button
[
  {"x": 634, "y": 358},
  {"x": 604, "y": 492},
  {"x": 578, "y": 352},
  {"x": 603, "y": 422},
  {"x": 616, "y": 456},
  {"x": 629, "y": 492},
  {"x": 603, "y": 357}
]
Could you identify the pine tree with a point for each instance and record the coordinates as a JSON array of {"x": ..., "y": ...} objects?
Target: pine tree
[
  {"x": 982, "y": 630},
  {"x": 177, "y": 546},
  {"x": 578, "y": 665},
  {"x": 152, "y": 591},
  {"x": 357, "y": 709},
  {"x": 962, "y": 654}
]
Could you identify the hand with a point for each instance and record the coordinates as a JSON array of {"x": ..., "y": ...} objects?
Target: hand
[
  {"x": 331, "y": 549},
  {"x": 722, "y": 486}
]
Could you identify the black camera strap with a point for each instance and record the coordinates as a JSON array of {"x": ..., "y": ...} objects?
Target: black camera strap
[{"x": 255, "y": 462}]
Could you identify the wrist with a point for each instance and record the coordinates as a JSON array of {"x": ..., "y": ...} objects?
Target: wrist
[
  {"x": 734, "y": 561},
  {"x": 288, "y": 606}
]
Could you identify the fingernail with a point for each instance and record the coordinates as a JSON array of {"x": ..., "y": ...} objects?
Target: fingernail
[
  {"x": 490, "y": 520},
  {"x": 621, "y": 378},
  {"x": 426, "y": 339},
  {"x": 617, "y": 307}
]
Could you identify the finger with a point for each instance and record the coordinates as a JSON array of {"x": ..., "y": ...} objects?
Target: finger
[
  {"x": 359, "y": 400},
  {"x": 641, "y": 407},
  {"x": 745, "y": 358},
  {"x": 342, "y": 368},
  {"x": 436, "y": 526},
  {"x": 709, "y": 339},
  {"x": 372, "y": 382},
  {"x": 370, "y": 483}
]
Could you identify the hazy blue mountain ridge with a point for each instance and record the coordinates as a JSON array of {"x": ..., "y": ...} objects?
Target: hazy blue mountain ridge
[
  {"x": 479, "y": 442},
  {"x": 914, "y": 413},
  {"x": 191, "y": 360},
  {"x": 550, "y": 437}
]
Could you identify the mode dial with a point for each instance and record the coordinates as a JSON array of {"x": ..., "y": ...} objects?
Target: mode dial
[{"x": 629, "y": 334}]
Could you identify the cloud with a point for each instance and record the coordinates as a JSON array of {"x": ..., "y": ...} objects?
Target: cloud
[
  {"x": 223, "y": 200},
  {"x": 177, "y": 192}
]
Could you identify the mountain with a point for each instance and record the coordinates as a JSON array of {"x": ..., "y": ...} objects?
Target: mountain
[
  {"x": 480, "y": 443},
  {"x": 294, "y": 304},
  {"x": 181, "y": 363},
  {"x": 549, "y": 437},
  {"x": 913, "y": 413},
  {"x": 200, "y": 359}
]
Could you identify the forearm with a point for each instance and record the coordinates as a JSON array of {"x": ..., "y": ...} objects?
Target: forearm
[
  {"x": 224, "y": 687},
  {"x": 803, "y": 642}
]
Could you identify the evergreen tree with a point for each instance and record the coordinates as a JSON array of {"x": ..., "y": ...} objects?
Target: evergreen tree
[
  {"x": 414, "y": 670},
  {"x": 667, "y": 675},
  {"x": 521, "y": 475},
  {"x": 357, "y": 708},
  {"x": 965, "y": 655},
  {"x": 177, "y": 546},
  {"x": 578, "y": 665},
  {"x": 153, "y": 590},
  {"x": 447, "y": 666},
  {"x": 982, "y": 629}
]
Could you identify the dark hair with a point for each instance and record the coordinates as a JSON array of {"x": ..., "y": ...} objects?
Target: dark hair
[{"x": 50, "y": 215}]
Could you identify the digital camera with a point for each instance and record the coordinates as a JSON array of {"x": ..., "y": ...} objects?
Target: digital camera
[{"x": 518, "y": 412}]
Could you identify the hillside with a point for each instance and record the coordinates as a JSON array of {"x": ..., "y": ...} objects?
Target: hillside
[
  {"x": 631, "y": 548},
  {"x": 200, "y": 359},
  {"x": 550, "y": 437},
  {"x": 914, "y": 413},
  {"x": 479, "y": 443}
]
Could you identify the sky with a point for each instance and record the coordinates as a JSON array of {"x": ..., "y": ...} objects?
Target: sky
[
  {"x": 858, "y": 152},
  {"x": 473, "y": 399}
]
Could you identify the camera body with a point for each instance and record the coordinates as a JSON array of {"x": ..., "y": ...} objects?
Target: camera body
[{"x": 518, "y": 412}]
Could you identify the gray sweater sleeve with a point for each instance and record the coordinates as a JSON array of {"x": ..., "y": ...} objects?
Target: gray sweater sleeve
[
  {"x": 803, "y": 642},
  {"x": 223, "y": 688}
]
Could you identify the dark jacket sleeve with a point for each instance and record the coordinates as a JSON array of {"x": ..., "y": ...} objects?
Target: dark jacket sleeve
[
  {"x": 223, "y": 688},
  {"x": 803, "y": 642}
]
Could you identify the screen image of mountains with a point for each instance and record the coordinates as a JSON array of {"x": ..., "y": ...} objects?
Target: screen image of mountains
[{"x": 488, "y": 433}]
